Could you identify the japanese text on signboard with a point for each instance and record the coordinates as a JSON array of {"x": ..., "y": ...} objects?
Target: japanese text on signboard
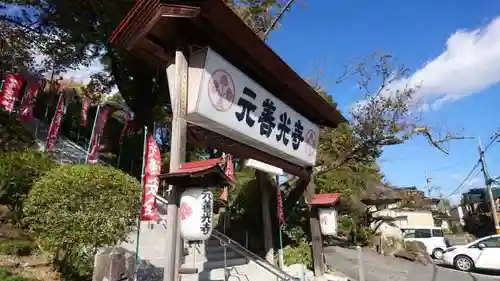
[
  {"x": 206, "y": 214},
  {"x": 288, "y": 131}
]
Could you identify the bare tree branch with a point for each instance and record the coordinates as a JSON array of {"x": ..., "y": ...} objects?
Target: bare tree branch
[
  {"x": 277, "y": 19},
  {"x": 388, "y": 114},
  {"x": 423, "y": 130}
]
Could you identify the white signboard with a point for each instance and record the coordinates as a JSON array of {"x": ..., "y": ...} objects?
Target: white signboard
[
  {"x": 223, "y": 99},
  {"x": 328, "y": 221}
]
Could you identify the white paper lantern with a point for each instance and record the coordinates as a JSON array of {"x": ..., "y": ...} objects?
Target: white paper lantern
[
  {"x": 195, "y": 214},
  {"x": 328, "y": 221}
]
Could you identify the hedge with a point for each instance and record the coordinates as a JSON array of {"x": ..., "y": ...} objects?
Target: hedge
[
  {"x": 18, "y": 172},
  {"x": 75, "y": 210}
]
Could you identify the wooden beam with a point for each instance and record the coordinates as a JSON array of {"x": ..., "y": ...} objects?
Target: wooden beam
[
  {"x": 205, "y": 138},
  {"x": 178, "y": 98},
  {"x": 266, "y": 215}
]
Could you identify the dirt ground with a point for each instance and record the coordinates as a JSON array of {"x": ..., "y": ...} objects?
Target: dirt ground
[{"x": 34, "y": 266}]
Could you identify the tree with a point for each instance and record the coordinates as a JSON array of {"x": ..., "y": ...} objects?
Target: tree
[
  {"x": 78, "y": 33},
  {"x": 389, "y": 114},
  {"x": 15, "y": 48},
  {"x": 261, "y": 16}
]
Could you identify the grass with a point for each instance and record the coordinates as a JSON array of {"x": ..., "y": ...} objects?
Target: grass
[{"x": 7, "y": 275}]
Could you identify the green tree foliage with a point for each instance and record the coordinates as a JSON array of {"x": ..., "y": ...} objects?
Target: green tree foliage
[
  {"x": 76, "y": 209},
  {"x": 18, "y": 172},
  {"x": 260, "y": 15}
]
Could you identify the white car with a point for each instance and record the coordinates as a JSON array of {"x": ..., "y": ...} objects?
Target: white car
[
  {"x": 432, "y": 237},
  {"x": 483, "y": 253}
]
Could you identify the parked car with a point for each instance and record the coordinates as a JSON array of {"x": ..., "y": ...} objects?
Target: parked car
[
  {"x": 432, "y": 237},
  {"x": 483, "y": 253}
]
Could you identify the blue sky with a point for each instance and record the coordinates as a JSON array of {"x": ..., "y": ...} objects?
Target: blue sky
[{"x": 327, "y": 34}]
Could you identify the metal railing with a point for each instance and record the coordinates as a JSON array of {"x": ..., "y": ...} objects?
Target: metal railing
[{"x": 228, "y": 242}]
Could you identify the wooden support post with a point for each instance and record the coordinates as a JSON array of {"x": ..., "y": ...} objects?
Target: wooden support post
[
  {"x": 266, "y": 216},
  {"x": 178, "y": 98},
  {"x": 317, "y": 241}
]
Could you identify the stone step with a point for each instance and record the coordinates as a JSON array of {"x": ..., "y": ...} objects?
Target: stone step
[
  {"x": 209, "y": 265},
  {"x": 214, "y": 256},
  {"x": 212, "y": 242},
  {"x": 216, "y": 249},
  {"x": 247, "y": 272}
]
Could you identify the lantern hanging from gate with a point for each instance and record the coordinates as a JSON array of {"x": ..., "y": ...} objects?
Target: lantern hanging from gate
[{"x": 195, "y": 214}]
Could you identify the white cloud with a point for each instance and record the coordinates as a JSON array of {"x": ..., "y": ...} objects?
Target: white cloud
[
  {"x": 81, "y": 74},
  {"x": 474, "y": 182},
  {"x": 455, "y": 199},
  {"x": 469, "y": 65},
  {"x": 471, "y": 182}
]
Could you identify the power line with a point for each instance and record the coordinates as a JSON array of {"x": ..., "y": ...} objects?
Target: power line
[
  {"x": 493, "y": 139},
  {"x": 464, "y": 181}
]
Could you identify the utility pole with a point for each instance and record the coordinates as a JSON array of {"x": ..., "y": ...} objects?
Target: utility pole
[
  {"x": 428, "y": 184},
  {"x": 488, "y": 181}
]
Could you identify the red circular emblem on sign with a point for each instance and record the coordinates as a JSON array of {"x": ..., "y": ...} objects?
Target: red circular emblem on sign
[
  {"x": 221, "y": 90},
  {"x": 311, "y": 141}
]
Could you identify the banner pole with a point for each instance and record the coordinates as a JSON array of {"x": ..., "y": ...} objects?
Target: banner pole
[
  {"x": 89, "y": 147},
  {"x": 52, "y": 120},
  {"x": 122, "y": 136},
  {"x": 137, "y": 260},
  {"x": 119, "y": 155},
  {"x": 280, "y": 251}
]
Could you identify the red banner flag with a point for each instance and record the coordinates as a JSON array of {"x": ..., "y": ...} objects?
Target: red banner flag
[
  {"x": 279, "y": 211},
  {"x": 85, "y": 110},
  {"x": 55, "y": 124},
  {"x": 125, "y": 126},
  {"x": 102, "y": 118},
  {"x": 10, "y": 91},
  {"x": 29, "y": 99},
  {"x": 230, "y": 174},
  {"x": 152, "y": 169}
]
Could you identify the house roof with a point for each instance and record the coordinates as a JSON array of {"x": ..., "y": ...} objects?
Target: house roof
[
  {"x": 203, "y": 173},
  {"x": 153, "y": 28},
  {"x": 383, "y": 194},
  {"x": 325, "y": 199}
]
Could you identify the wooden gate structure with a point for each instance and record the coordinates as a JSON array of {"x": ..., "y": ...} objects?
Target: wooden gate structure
[{"x": 167, "y": 33}]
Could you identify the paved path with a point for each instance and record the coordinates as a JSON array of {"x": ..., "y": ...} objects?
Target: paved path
[
  {"x": 65, "y": 150},
  {"x": 382, "y": 268}
]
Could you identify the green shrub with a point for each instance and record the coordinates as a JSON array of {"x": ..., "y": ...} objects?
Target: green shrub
[
  {"x": 300, "y": 253},
  {"x": 18, "y": 172},
  {"x": 13, "y": 135},
  {"x": 75, "y": 210},
  {"x": 364, "y": 236}
]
